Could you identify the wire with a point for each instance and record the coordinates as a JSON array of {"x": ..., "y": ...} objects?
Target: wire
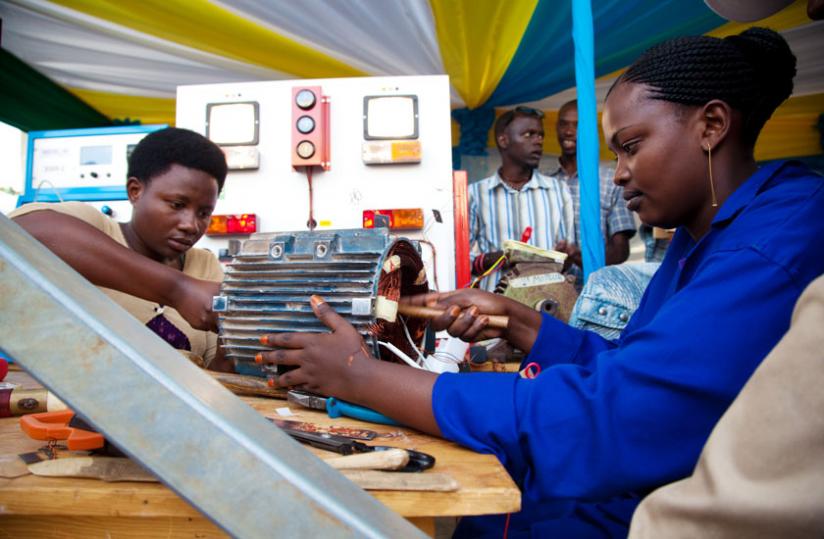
[
  {"x": 493, "y": 268},
  {"x": 444, "y": 210},
  {"x": 409, "y": 338},
  {"x": 49, "y": 184},
  {"x": 442, "y": 356},
  {"x": 446, "y": 357},
  {"x": 398, "y": 352},
  {"x": 311, "y": 224},
  {"x": 434, "y": 263}
]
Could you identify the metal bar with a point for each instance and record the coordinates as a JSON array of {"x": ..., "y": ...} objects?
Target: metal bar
[{"x": 203, "y": 442}]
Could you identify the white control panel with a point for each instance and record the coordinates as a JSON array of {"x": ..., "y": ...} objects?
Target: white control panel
[{"x": 87, "y": 161}]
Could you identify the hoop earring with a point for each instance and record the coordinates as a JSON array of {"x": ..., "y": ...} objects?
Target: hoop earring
[{"x": 712, "y": 183}]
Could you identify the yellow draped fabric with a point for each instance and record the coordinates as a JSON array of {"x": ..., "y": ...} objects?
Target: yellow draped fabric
[
  {"x": 478, "y": 39},
  {"x": 792, "y": 131},
  {"x": 148, "y": 110},
  {"x": 205, "y": 26}
]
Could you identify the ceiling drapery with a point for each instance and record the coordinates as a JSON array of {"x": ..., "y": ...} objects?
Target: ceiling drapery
[{"x": 125, "y": 59}]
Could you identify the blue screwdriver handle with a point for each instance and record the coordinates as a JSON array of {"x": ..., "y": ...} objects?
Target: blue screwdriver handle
[{"x": 337, "y": 408}]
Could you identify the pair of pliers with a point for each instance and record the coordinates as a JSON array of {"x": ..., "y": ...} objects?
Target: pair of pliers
[
  {"x": 418, "y": 461},
  {"x": 64, "y": 425},
  {"x": 337, "y": 408}
]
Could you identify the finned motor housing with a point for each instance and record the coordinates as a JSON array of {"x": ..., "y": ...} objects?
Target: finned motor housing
[{"x": 268, "y": 283}]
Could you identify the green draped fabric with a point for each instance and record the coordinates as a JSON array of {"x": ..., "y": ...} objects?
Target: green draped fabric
[{"x": 31, "y": 102}]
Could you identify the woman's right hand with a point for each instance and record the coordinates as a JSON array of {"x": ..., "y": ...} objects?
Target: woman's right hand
[
  {"x": 465, "y": 312},
  {"x": 466, "y": 315},
  {"x": 193, "y": 300}
]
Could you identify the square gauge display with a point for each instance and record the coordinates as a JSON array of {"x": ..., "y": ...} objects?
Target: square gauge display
[
  {"x": 390, "y": 117},
  {"x": 232, "y": 124}
]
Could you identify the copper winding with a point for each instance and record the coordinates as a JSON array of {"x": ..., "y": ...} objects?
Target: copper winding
[{"x": 404, "y": 279}]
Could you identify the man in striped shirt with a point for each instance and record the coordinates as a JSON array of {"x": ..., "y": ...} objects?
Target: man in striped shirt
[
  {"x": 617, "y": 222},
  {"x": 517, "y": 196}
]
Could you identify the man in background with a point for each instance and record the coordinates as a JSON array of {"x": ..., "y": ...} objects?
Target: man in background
[
  {"x": 517, "y": 197},
  {"x": 617, "y": 222}
]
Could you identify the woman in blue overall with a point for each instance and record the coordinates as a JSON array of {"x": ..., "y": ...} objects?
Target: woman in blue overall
[{"x": 608, "y": 421}]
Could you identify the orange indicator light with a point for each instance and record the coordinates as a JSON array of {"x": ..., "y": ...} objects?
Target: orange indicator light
[{"x": 407, "y": 219}]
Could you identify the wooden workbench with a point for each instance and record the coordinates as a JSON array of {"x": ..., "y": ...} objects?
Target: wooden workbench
[{"x": 40, "y": 507}]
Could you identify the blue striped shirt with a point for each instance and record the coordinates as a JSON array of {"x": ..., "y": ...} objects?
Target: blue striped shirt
[
  {"x": 615, "y": 217},
  {"x": 497, "y": 212}
]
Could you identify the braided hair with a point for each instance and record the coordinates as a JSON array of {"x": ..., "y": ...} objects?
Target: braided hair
[{"x": 752, "y": 72}]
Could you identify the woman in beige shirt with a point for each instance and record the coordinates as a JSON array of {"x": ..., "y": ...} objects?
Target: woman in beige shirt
[{"x": 148, "y": 265}]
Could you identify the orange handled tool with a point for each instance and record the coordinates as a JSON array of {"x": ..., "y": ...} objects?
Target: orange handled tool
[{"x": 53, "y": 426}]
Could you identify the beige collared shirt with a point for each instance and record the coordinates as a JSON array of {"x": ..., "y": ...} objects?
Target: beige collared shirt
[
  {"x": 198, "y": 263},
  {"x": 761, "y": 472}
]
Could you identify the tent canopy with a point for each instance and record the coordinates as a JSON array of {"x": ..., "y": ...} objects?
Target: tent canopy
[{"x": 125, "y": 59}]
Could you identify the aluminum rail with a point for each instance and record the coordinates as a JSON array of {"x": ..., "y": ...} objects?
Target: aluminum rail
[{"x": 207, "y": 445}]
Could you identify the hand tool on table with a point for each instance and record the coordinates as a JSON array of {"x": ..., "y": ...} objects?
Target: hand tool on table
[
  {"x": 346, "y": 432},
  {"x": 395, "y": 459},
  {"x": 418, "y": 461},
  {"x": 417, "y": 311},
  {"x": 373, "y": 480},
  {"x": 106, "y": 468},
  {"x": 16, "y": 401},
  {"x": 121, "y": 469},
  {"x": 337, "y": 408},
  {"x": 65, "y": 426},
  {"x": 241, "y": 384}
]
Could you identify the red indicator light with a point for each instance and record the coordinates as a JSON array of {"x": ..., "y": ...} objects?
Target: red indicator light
[{"x": 240, "y": 223}]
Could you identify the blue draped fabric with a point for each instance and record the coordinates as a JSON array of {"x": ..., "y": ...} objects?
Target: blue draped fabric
[
  {"x": 475, "y": 125},
  {"x": 543, "y": 64},
  {"x": 592, "y": 241}
]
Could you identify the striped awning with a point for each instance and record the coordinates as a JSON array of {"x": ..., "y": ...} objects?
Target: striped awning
[{"x": 126, "y": 59}]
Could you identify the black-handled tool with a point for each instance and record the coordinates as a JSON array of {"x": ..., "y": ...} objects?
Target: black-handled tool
[{"x": 418, "y": 461}]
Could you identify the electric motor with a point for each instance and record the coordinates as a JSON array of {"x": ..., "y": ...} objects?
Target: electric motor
[{"x": 360, "y": 273}]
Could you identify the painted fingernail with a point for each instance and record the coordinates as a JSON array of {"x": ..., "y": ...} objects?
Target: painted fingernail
[
  {"x": 264, "y": 339},
  {"x": 270, "y": 383},
  {"x": 316, "y": 301},
  {"x": 454, "y": 310},
  {"x": 259, "y": 358}
]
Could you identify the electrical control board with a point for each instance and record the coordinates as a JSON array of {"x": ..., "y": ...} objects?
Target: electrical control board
[
  {"x": 333, "y": 154},
  {"x": 80, "y": 164}
]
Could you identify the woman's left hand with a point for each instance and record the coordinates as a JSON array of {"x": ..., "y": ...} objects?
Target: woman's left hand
[
  {"x": 327, "y": 363},
  {"x": 338, "y": 364}
]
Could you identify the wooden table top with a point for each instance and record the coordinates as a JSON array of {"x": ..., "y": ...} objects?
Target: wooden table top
[{"x": 485, "y": 487}]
